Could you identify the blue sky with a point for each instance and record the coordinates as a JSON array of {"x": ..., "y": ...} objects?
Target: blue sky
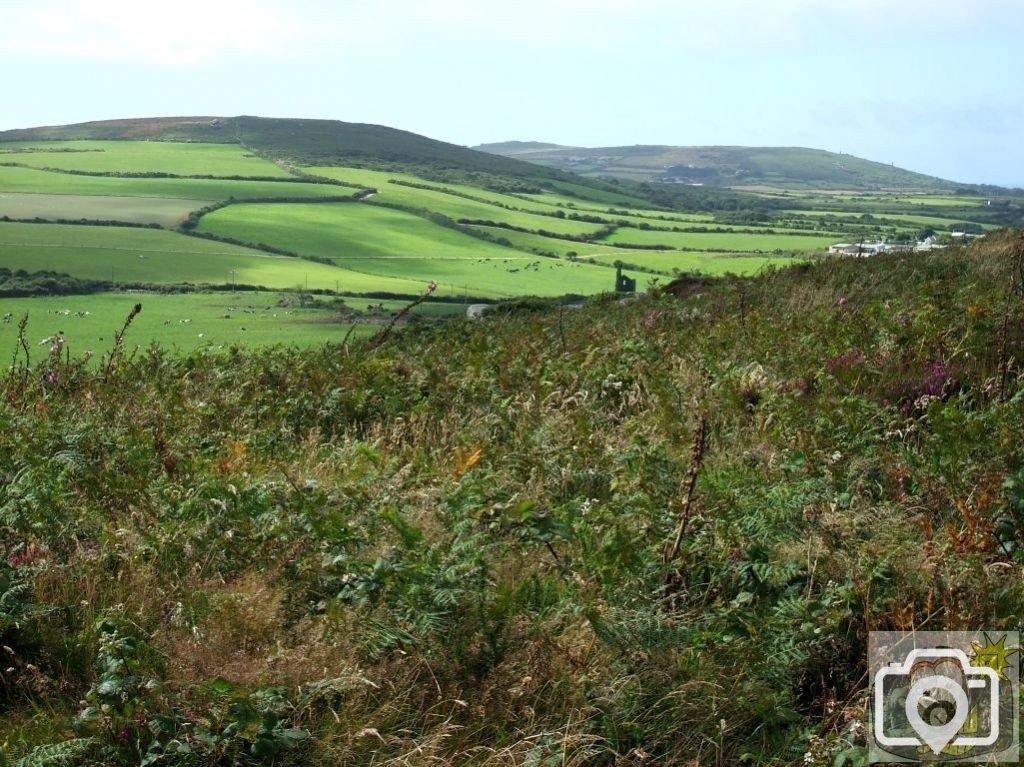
[{"x": 931, "y": 85}]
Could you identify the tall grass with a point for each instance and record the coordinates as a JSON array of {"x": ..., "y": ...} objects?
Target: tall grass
[{"x": 451, "y": 545}]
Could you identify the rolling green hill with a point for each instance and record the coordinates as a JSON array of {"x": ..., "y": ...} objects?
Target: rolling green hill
[
  {"x": 301, "y": 142},
  {"x": 734, "y": 166},
  {"x": 172, "y": 205}
]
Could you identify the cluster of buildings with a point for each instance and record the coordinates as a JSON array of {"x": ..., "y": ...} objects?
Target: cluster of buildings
[{"x": 881, "y": 246}]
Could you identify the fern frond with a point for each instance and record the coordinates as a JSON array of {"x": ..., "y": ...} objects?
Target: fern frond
[{"x": 64, "y": 754}]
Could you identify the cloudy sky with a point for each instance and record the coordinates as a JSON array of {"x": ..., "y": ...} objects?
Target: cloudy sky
[{"x": 931, "y": 85}]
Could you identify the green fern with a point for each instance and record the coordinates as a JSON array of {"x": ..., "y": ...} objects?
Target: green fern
[{"x": 63, "y": 754}]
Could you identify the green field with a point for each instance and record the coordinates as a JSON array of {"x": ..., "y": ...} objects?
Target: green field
[
  {"x": 193, "y": 320},
  {"x": 670, "y": 262},
  {"x": 383, "y": 181},
  {"x": 456, "y": 207},
  {"x": 580, "y": 191},
  {"x": 378, "y": 245},
  {"x": 667, "y": 261},
  {"x": 379, "y": 241},
  {"x": 954, "y": 201},
  {"x": 16, "y": 179},
  {"x": 168, "y": 212},
  {"x": 614, "y": 213},
  {"x": 124, "y": 254},
  {"x": 526, "y": 241},
  {"x": 558, "y": 195},
  {"x": 182, "y": 159},
  {"x": 740, "y": 243}
]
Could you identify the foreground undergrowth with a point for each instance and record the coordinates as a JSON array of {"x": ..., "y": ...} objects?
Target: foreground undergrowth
[{"x": 653, "y": 532}]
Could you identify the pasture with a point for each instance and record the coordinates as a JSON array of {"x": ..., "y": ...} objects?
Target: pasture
[
  {"x": 725, "y": 241},
  {"x": 558, "y": 195},
  {"x": 904, "y": 220},
  {"x": 132, "y": 255},
  {"x": 195, "y": 320},
  {"x": 457, "y": 207},
  {"x": 31, "y": 180},
  {"x": 369, "y": 246},
  {"x": 163, "y": 211},
  {"x": 562, "y": 248},
  {"x": 374, "y": 240},
  {"x": 669, "y": 262},
  {"x": 182, "y": 159}
]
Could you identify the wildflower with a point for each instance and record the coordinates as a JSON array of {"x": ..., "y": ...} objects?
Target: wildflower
[
  {"x": 842, "y": 301},
  {"x": 431, "y": 286}
]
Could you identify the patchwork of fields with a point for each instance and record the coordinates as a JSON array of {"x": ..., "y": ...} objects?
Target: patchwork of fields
[
  {"x": 217, "y": 215},
  {"x": 194, "y": 321}
]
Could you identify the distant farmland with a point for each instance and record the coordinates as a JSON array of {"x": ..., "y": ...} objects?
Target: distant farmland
[
  {"x": 32, "y": 180},
  {"x": 162, "y": 211},
  {"x": 140, "y": 157},
  {"x": 281, "y": 215}
]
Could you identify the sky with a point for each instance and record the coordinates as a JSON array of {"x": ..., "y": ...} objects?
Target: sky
[{"x": 930, "y": 85}]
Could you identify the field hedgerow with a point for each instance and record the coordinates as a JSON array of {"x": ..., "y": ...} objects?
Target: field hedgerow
[{"x": 637, "y": 533}]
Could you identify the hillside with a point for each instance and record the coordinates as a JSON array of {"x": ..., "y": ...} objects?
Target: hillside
[
  {"x": 653, "y": 532},
  {"x": 304, "y": 142},
  {"x": 731, "y": 166},
  {"x": 282, "y": 208}
]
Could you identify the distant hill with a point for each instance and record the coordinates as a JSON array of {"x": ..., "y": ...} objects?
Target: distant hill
[
  {"x": 312, "y": 142},
  {"x": 514, "y": 148},
  {"x": 732, "y": 166}
]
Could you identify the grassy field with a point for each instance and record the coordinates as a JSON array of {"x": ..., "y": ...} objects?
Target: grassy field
[
  {"x": 195, "y": 321},
  {"x": 379, "y": 241},
  {"x": 670, "y": 262},
  {"x": 579, "y": 191},
  {"x": 383, "y": 181},
  {"x": 562, "y": 248},
  {"x": 904, "y": 220},
  {"x": 154, "y": 256},
  {"x": 456, "y": 207},
  {"x": 666, "y": 261},
  {"x": 31, "y": 180},
  {"x": 372, "y": 247},
  {"x": 513, "y": 276},
  {"x": 745, "y": 243},
  {"x": 183, "y": 159},
  {"x": 167, "y": 212},
  {"x": 953, "y": 201},
  {"x": 650, "y": 216}
]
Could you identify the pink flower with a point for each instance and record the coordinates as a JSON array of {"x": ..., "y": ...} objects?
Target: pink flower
[
  {"x": 842, "y": 301},
  {"x": 53, "y": 377}
]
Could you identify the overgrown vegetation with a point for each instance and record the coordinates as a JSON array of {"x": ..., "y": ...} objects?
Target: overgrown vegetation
[{"x": 654, "y": 532}]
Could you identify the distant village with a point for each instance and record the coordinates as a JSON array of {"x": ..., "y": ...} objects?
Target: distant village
[{"x": 932, "y": 242}]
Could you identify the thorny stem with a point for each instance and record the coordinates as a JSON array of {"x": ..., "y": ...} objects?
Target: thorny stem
[
  {"x": 382, "y": 336},
  {"x": 119, "y": 340}
]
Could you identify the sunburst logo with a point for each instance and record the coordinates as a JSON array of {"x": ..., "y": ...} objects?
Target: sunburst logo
[{"x": 993, "y": 655}]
